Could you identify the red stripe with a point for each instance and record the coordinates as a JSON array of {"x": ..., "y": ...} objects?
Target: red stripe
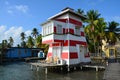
[
  {"x": 82, "y": 34},
  {"x": 49, "y": 54},
  {"x": 73, "y": 55},
  {"x": 65, "y": 42},
  {"x": 71, "y": 31},
  {"x": 62, "y": 20},
  {"x": 47, "y": 41},
  {"x": 55, "y": 44},
  {"x": 63, "y": 30},
  {"x": 66, "y": 30},
  {"x": 64, "y": 55},
  {"x": 87, "y": 55},
  {"x": 54, "y": 29},
  {"x": 73, "y": 43},
  {"x": 73, "y": 21}
]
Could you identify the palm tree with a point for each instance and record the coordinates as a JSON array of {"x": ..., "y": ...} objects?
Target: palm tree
[
  {"x": 4, "y": 44},
  {"x": 92, "y": 17},
  {"x": 23, "y": 43},
  {"x": 80, "y": 11},
  {"x": 34, "y": 32},
  {"x": 100, "y": 26},
  {"x": 112, "y": 32},
  {"x": 30, "y": 42},
  {"x": 11, "y": 41},
  {"x": 22, "y": 36},
  {"x": 38, "y": 41}
]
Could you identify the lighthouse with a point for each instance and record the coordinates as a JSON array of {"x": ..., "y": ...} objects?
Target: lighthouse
[{"x": 64, "y": 33}]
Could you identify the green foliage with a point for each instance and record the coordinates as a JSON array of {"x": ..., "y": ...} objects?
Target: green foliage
[{"x": 30, "y": 42}]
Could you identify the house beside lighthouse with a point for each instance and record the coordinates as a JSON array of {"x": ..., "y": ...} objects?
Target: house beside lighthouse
[{"x": 64, "y": 33}]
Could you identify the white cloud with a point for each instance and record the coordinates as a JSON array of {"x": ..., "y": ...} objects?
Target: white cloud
[
  {"x": 22, "y": 8},
  {"x": 95, "y": 2},
  {"x": 13, "y": 32},
  {"x": 2, "y": 28},
  {"x": 13, "y": 8}
]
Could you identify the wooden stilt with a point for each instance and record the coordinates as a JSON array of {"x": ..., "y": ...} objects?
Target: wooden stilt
[
  {"x": 31, "y": 67},
  {"x": 96, "y": 68},
  {"x": 37, "y": 68},
  {"x": 46, "y": 71},
  {"x": 81, "y": 67},
  {"x": 68, "y": 68},
  {"x": 74, "y": 68},
  {"x": 61, "y": 68}
]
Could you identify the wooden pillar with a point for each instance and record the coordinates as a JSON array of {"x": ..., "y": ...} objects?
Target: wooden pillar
[
  {"x": 68, "y": 68},
  {"x": 46, "y": 70},
  {"x": 37, "y": 68},
  {"x": 96, "y": 68},
  {"x": 74, "y": 68},
  {"x": 61, "y": 68},
  {"x": 81, "y": 67},
  {"x": 31, "y": 67}
]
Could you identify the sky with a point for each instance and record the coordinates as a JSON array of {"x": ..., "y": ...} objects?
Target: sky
[{"x": 18, "y": 16}]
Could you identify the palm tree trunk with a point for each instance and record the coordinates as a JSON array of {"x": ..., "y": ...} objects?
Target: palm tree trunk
[{"x": 95, "y": 48}]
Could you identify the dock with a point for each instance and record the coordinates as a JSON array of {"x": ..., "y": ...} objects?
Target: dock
[
  {"x": 33, "y": 59},
  {"x": 112, "y": 72},
  {"x": 45, "y": 66},
  {"x": 96, "y": 67}
]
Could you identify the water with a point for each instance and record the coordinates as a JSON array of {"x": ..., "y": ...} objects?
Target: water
[{"x": 22, "y": 71}]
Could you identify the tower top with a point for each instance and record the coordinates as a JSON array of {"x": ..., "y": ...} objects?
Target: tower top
[{"x": 67, "y": 8}]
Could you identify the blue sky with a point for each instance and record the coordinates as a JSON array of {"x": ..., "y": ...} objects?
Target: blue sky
[{"x": 18, "y": 16}]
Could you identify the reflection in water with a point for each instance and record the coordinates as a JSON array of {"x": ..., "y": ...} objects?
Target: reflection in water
[{"x": 22, "y": 71}]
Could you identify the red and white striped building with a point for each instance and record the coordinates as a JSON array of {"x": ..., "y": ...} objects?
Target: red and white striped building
[{"x": 65, "y": 35}]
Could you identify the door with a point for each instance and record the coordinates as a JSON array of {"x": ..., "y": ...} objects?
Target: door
[
  {"x": 111, "y": 53},
  {"x": 56, "y": 52},
  {"x": 82, "y": 53}
]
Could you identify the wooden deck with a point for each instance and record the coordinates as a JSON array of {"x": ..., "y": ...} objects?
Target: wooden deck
[
  {"x": 45, "y": 65},
  {"x": 33, "y": 58},
  {"x": 94, "y": 66},
  {"x": 112, "y": 72}
]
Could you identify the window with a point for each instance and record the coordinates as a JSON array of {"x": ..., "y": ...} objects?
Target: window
[
  {"x": 77, "y": 30},
  {"x": 111, "y": 52},
  {"x": 59, "y": 29},
  {"x": 47, "y": 30},
  {"x": 85, "y": 50}
]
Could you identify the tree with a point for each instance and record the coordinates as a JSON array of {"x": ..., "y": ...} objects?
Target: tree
[
  {"x": 80, "y": 11},
  {"x": 23, "y": 43},
  {"x": 112, "y": 32},
  {"x": 11, "y": 41},
  {"x": 4, "y": 44},
  {"x": 92, "y": 17},
  {"x": 34, "y": 32},
  {"x": 38, "y": 41},
  {"x": 22, "y": 36},
  {"x": 100, "y": 26},
  {"x": 30, "y": 42}
]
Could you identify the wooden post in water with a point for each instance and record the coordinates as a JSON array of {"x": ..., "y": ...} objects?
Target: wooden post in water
[
  {"x": 74, "y": 68},
  {"x": 81, "y": 67},
  {"x": 68, "y": 68},
  {"x": 46, "y": 71},
  {"x": 61, "y": 68},
  {"x": 31, "y": 67},
  {"x": 37, "y": 68},
  {"x": 96, "y": 68}
]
